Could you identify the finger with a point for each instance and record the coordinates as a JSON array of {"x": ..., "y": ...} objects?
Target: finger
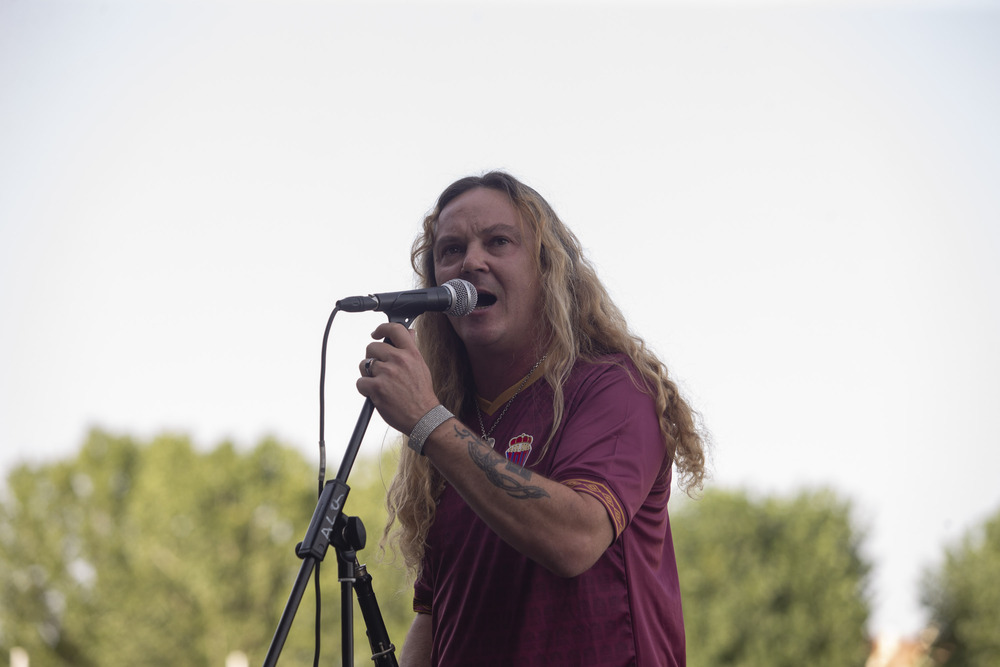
[
  {"x": 380, "y": 351},
  {"x": 367, "y": 367},
  {"x": 394, "y": 333}
]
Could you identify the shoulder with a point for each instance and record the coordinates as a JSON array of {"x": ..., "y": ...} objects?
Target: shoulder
[
  {"x": 607, "y": 371},
  {"x": 609, "y": 390}
]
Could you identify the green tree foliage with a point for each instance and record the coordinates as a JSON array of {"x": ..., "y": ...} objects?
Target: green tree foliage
[
  {"x": 771, "y": 583},
  {"x": 963, "y": 597},
  {"x": 156, "y": 554}
]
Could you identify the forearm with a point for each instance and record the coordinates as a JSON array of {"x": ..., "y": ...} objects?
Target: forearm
[
  {"x": 561, "y": 529},
  {"x": 417, "y": 647}
]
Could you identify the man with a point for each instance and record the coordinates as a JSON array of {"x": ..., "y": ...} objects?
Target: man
[{"x": 531, "y": 501}]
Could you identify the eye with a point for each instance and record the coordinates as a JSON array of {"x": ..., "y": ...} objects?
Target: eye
[{"x": 500, "y": 241}]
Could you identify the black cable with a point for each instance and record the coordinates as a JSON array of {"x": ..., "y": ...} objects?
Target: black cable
[
  {"x": 319, "y": 607},
  {"x": 322, "y": 471},
  {"x": 322, "y": 402}
]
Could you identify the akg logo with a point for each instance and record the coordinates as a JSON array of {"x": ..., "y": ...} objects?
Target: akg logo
[{"x": 335, "y": 504}]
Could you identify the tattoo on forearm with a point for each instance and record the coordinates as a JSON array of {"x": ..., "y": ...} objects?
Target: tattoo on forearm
[{"x": 487, "y": 460}]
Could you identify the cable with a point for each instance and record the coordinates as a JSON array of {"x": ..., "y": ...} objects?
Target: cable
[{"x": 322, "y": 471}]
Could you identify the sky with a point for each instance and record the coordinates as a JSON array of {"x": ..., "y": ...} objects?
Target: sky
[{"x": 794, "y": 203}]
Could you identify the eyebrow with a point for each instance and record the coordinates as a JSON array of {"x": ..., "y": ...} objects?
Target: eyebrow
[{"x": 509, "y": 230}]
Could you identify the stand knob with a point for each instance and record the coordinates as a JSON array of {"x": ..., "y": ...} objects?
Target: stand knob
[{"x": 354, "y": 533}]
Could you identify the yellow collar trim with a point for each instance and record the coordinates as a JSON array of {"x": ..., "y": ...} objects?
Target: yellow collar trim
[{"x": 490, "y": 407}]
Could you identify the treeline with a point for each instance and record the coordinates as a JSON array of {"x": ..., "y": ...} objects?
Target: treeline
[{"x": 157, "y": 553}]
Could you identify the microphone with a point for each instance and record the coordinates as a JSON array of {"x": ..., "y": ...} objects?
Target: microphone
[{"x": 456, "y": 297}]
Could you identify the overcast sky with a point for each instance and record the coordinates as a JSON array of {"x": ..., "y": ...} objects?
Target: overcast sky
[{"x": 796, "y": 204}]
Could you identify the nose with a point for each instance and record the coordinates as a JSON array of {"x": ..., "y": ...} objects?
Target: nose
[{"x": 475, "y": 259}]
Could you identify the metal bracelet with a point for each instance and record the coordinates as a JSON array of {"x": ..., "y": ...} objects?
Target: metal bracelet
[{"x": 434, "y": 418}]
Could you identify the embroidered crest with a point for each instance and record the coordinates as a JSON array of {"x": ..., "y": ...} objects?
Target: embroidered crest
[{"x": 518, "y": 449}]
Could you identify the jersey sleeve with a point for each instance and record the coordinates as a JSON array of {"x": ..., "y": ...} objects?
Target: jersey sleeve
[
  {"x": 422, "y": 592},
  {"x": 610, "y": 446}
]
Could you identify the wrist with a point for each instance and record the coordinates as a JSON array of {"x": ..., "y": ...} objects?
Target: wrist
[{"x": 426, "y": 425}]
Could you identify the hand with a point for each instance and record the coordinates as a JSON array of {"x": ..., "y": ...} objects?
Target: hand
[{"x": 395, "y": 377}]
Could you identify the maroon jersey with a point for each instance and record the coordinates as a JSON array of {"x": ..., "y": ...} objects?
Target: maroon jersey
[{"x": 492, "y": 606}]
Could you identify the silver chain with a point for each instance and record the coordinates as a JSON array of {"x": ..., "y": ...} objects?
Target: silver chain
[{"x": 479, "y": 413}]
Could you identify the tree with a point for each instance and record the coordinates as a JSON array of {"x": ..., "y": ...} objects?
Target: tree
[
  {"x": 157, "y": 554},
  {"x": 771, "y": 582},
  {"x": 963, "y": 597}
]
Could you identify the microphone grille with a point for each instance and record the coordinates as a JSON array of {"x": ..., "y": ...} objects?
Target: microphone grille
[{"x": 465, "y": 297}]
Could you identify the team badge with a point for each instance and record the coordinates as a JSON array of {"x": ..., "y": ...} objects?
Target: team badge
[{"x": 518, "y": 449}]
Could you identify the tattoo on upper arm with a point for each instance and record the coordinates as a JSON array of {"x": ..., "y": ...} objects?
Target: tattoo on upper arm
[{"x": 490, "y": 462}]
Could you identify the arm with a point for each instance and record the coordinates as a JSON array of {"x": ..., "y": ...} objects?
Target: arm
[
  {"x": 564, "y": 531},
  {"x": 561, "y": 529},
  {"x": 417, "y": 647}
]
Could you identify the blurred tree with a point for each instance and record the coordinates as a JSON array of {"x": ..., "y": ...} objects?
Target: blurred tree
[
  {"x": 771, "y": 583},
  {"x": 157, "y": 554},
  {"x": 963, "y": 597}
]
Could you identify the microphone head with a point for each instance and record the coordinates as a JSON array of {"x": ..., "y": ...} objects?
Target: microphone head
[{"x": 464, "y": 297}]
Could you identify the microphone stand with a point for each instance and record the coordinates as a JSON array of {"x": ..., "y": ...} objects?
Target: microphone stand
[{"x": 329, "y": 526}]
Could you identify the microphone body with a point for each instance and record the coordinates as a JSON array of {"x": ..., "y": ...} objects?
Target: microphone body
[{"x": 456, "y": 297}]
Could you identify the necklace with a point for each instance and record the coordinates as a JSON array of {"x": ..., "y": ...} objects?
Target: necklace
[{"x": 479, "y": 413}]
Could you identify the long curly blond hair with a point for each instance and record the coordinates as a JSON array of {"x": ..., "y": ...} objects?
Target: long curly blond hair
[{"x": 582, "y": 323}]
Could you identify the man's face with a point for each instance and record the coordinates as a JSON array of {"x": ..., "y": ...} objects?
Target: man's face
[{"x": 480, "y": 239}]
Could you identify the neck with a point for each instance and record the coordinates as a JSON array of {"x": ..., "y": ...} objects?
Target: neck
[{"x": 494, "y": 374}]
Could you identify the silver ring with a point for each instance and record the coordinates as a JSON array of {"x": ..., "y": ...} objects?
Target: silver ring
[{"x": 368, "y": 367}]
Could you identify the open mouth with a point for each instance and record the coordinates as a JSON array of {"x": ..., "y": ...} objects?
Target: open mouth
[{"x": 485, "y": 300}]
